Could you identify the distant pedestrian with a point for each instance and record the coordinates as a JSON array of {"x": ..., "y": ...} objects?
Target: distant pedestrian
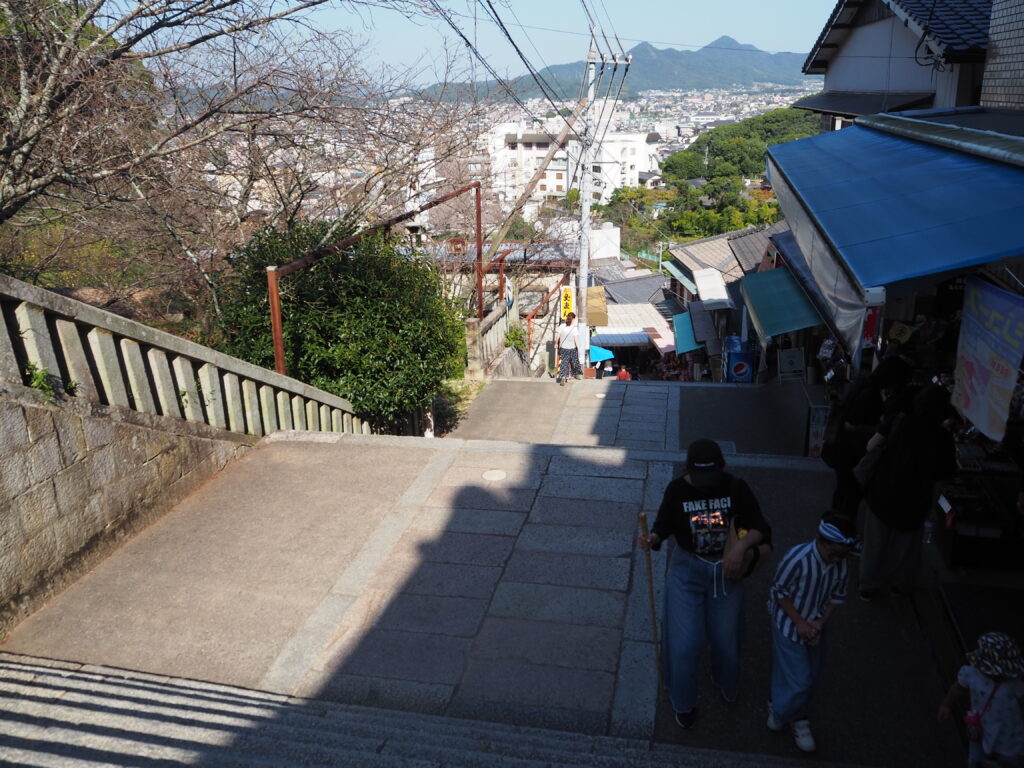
[
  {"x": 858, "y": 417},
  {"x": 898, "y": 496},
  {"x": 569, "y": 350},
  {"x": 809, "y": 583},
  {"x": 993, "y": 679},
  {"x": 623, "y": 374},
  {"x": 720, "y": 535}
]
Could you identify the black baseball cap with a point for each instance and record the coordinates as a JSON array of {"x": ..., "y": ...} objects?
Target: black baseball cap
[{"x": 704, "y": 463}]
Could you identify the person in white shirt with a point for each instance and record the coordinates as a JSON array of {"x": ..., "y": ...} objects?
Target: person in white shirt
[{"x": 568, "y": 338}]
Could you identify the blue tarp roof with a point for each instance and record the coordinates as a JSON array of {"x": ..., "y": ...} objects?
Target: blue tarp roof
[
  {"x": 896, "y": 208},
  {"x": 685, "y": 341}
]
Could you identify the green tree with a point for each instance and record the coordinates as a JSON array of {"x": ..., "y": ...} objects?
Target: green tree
[
  {"x": 684, "y": 165},
  {"x": 371, "y": 325}
]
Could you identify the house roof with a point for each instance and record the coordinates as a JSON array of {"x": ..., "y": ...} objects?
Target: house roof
[
  {"x": 711, "y": 252},
  {"x": 749, "y": 245},
  {"x": 532, "y": 138},
  {"x": 856, "y": 103},
  {"x": 635, "y": 290},
  {"x": 956, "y": 29}
]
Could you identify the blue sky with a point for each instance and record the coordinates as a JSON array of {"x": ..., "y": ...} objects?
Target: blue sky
[{"x": 554, "y": 31}]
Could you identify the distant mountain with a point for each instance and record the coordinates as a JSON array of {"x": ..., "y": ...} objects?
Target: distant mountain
[{"x": 720, "y": 64}]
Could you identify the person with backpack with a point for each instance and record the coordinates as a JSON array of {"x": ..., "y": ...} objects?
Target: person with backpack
[
  {"x": 919, "y": 451},
  {"x": 857, "y": 418},
  {"x": 720, "y": 536},
  {"x": 993, "y": 680}
]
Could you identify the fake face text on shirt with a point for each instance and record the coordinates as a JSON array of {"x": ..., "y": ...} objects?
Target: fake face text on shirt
[{"x": 709, "y": 523}]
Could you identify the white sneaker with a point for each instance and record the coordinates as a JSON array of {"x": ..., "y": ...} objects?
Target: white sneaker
[
  {"x": 774, "y": 724},
  {"x": 802, "y": 736}
]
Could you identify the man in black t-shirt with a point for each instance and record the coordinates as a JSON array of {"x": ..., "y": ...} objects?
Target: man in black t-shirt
[{"x": 720, "y": 535}]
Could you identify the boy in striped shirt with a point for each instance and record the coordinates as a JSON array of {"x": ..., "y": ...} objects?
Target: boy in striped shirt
[{"x": 809, "y": 583}]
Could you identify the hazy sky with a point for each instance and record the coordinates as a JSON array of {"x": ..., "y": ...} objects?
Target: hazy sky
[{"x": 555, "y": 31}]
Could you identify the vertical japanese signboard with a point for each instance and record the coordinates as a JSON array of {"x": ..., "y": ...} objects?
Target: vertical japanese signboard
[
  {"x": 567, "y": 301},
  {"x": 989, "y": 354}
]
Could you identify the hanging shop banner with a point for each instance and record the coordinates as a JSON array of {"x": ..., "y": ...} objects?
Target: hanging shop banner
[
  {"x": 989, "y": 354},
  {"x": 567, "y": 301}
]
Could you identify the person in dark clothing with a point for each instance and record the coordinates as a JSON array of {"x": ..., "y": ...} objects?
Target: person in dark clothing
[
  {"x": 720, "y": 535},
  {"x": 919, "y": 452},
  {"x": 861, "y": 411}
]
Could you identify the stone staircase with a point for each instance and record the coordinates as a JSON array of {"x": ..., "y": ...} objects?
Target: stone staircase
[{"x": 69, "y": 715}]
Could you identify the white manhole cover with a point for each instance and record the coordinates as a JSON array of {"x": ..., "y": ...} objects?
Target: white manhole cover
[
  {"x": 600, "y": 395},
  {"x": 493, "y": 475}
]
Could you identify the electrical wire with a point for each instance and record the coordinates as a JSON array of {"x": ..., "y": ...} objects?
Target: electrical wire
[
  {"x": 486, "y": 64},
  {"x": 541, "y": 83}
]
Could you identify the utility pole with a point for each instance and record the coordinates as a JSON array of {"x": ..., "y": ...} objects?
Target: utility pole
[
  {"x": 587, "y": 155},
  {"x": 586, "y": 163}
]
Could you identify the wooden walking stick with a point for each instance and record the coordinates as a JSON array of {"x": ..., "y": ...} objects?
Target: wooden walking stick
[{"x": 650, "y": 596}]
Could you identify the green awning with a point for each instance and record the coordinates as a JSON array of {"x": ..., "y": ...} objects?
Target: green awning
[
  {"x": 777, "y": 303},
  {"x": 677, "y": 273},
  {"x": 685, "y": 340}
]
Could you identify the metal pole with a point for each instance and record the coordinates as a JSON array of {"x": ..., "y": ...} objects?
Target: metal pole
[
  {"x": 650, "y": 596},
  {"x": 276, "y": 324},
  {"x": 479, "y": 258}
]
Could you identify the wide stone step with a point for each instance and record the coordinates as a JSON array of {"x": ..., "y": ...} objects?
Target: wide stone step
[{"x": 71, "y": 715}]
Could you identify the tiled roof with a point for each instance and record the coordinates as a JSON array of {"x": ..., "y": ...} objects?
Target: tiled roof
[
  {"x": 959, "y": 26},
  {"x": 711, "y": 252},
  {"x": 636, "y": 290},
  {"x": 749, "y": 246}
]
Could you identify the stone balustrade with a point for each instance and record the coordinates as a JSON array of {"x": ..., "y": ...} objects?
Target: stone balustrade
[
  {"x": 493, "y": 329},
  {"x": 65, "y": 346}
]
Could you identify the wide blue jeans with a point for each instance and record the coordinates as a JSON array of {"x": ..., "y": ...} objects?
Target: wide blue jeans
[
  {"x": 700, "y": 605},
  {"x": 795, "y": 668}
]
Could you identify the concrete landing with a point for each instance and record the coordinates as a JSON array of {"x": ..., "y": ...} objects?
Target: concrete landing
[{"x": 747, "y": 418}]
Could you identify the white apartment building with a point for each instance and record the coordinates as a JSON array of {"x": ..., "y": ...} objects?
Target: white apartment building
[{"x": 517, "y": 151}]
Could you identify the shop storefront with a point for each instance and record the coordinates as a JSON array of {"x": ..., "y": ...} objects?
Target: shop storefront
[{"x": 904, "y": 240}]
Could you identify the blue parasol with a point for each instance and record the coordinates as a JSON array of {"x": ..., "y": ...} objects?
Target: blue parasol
[{"x": 597, "y": 354}]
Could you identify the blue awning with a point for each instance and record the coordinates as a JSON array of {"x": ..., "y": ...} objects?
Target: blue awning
[
  {"x": 777, "y": 304},
  {"x": 895, "y": 208},
  {"x": 685, "y": 340}
]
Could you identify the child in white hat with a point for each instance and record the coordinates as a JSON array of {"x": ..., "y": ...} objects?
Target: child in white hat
[{"x": 995, "y": 723}]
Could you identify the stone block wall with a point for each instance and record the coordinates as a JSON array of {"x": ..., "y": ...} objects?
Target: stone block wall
[
  {"x": 1003, "y": 85},
  {"x": 77, "y": 477}
]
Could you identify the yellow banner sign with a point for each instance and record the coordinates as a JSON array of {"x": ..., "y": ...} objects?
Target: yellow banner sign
[{"x": 567, "y": 302}]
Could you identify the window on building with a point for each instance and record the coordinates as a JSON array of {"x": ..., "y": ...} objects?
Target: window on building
[
  {"x": 559, "y": 188},
  {"x": 597, "y": 169},
  {"x": 542, "y": 145},
  {"x": 543, "y": 187},
  {"x": 512, "y": 145},
  {"x": 596, "y": 195},
  {"x": 558, "y": 175},
  {"x": 527, "y": 145}
]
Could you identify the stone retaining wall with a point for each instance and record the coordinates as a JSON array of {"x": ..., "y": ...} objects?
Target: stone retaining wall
[{"x": 77, "y": 477}]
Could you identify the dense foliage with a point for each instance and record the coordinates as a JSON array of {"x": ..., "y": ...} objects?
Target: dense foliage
[
  {"x": 738, "y": 149},
  {"x": 371, "y": 325},
  {"x": 720, "y": 159}
]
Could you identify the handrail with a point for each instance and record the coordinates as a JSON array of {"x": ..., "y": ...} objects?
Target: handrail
[{"x": 107, "y": 359}]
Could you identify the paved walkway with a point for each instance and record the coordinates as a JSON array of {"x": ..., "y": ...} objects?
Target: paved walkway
[{"x": 484, "y": 579}]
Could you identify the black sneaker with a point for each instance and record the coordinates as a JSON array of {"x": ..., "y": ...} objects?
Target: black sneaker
[{"x": 685, "y": 720}]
